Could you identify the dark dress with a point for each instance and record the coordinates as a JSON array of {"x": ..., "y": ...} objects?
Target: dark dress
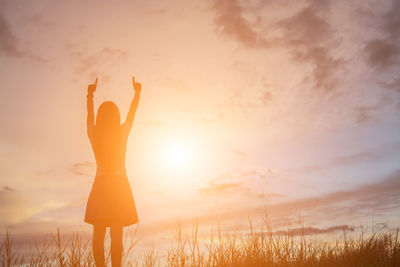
[{"x": 110, "y": 201}]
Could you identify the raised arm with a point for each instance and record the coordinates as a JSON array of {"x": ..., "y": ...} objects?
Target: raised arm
[
  {"x": 135, "y": 102},
  {"x": 90, "y": 109}
]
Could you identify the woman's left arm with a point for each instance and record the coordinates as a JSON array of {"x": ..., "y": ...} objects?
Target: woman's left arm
[{"x": 135, "y": 102}]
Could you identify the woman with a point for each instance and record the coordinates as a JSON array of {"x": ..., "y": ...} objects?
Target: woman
[{"x": 110, "y": 202}]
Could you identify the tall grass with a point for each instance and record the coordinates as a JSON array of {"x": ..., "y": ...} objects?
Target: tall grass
[{"x": 261, "y": 247}]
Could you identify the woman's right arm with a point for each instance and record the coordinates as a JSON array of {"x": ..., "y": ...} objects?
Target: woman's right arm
[{"x": 90, "y": 109}]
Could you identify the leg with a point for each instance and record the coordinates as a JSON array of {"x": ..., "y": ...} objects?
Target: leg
[
  {"x": 99, "y": 232},
  {"x": 116, "y": 245}
]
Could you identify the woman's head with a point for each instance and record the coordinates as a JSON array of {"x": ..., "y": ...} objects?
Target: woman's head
[{"x": 108, "y": 116}]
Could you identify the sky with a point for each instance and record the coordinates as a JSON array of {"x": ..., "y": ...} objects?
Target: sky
[{"x": 286, "y": 106}]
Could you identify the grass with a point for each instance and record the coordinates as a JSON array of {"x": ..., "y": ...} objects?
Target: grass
[{"x": 263, "y": 247}]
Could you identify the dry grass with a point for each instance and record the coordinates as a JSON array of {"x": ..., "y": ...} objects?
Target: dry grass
[{"x": 255, "y": 248}]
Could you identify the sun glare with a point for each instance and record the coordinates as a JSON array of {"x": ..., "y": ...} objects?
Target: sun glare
[
  {"x": 177, "y": 155},
  {"x": 175, "y": 159}
]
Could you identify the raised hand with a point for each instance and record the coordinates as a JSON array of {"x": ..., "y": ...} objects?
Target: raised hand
[
  {"x": 135, "y": 102},
  {"x": 92, "y": 88},
  {"x": 136, "y": 86}
]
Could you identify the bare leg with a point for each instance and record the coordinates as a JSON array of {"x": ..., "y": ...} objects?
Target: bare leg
[
  {"x": 116, "y": 245},
  {"x": 99, "y": 232}
]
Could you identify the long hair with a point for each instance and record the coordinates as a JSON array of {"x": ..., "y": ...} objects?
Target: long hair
[{"x": 108, "y": 118}]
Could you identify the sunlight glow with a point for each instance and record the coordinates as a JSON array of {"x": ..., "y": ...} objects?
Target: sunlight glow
[
  {"x": 177, "y": 155},
  {"x": 176, "y": 158}
]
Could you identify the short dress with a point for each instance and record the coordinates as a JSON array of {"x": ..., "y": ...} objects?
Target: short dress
[{"x": 111, "y": 201}]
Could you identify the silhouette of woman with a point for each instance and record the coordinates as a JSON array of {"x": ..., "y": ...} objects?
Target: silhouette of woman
[{"x": 110, "y": 202}]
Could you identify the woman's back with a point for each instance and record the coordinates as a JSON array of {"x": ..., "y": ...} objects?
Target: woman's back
[{"x": 109, "y": 148}]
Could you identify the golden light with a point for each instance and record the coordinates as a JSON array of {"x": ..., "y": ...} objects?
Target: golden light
[
  {"x": 175, "y": 158},
  {"x": 178, "y": 155}
]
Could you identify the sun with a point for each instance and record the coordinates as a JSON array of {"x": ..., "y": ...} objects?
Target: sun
[
  {"x": 176, "y": 158},
  {"x": 177, "y": 155}
]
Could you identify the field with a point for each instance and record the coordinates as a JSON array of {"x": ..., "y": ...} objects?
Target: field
[{"x": 256, "y": 247}]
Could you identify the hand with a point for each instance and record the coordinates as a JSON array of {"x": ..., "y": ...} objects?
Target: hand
[
  {"x": 92, "y": 88},
  {"x": 136, "y": 86}
]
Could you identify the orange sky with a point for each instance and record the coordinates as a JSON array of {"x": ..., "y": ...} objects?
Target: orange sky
[{"x": 290, "y": 106}]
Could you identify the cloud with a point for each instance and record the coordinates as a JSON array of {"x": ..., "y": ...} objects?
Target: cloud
[
  {"x": 240, "y": 175},
  {"x": 360, "y": 202},
  {"x": 237, "y": 102},
  {"x": 6, "y": 188},
  {"x": 309, "y": 39},
  {"x": 238, "y": 152},
  {"x": 237, "y": 183},
  {"x": 384, "y": 53},
  {"x": 82, "y": 168},
  {"x": 221, "y": 188},
  {"x": 8, "y": 41},
  {"x": 307, "y": 36},
  {"x": 269, "y": 195},
  {"x": 393, "y": 85},
  {"x": 98, "y": 63},
  {"x": 157, "y": 11},
  {"x": 379, "y": 197},
  {"x": 10, "y": 44},
  {"x": 306, "y": 27},
  {"x": 364, "y": 113},
  {"x": 266, "y": 97},
  {"x": 314, "y": 231},
  {"x": 231, "y": 22},
  {"x": 391, "y": 22},
  {"x": 374, "y": 154},
  {"x": 381, "y": 54}
]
